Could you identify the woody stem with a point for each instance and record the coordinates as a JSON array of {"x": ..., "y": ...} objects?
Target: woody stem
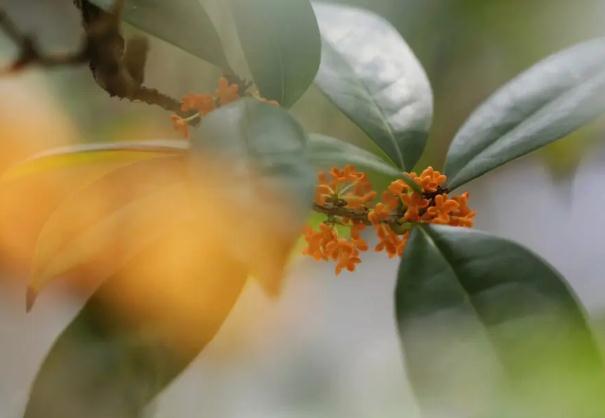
[
  {"x": 356, "y": 215},
  {"x": 359, "y": 216}
]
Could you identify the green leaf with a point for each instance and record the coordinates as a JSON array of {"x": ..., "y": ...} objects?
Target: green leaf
[
  {"x": 371, "y": 74},
  {"x": 93, "y": 154},
  {"x": 491, "y": 330},
  {"x": 262, "y": 140},
  {"x": 545, "y": 103},
  {"x": 259, "y": 151},
  {"x": 183, "y": 23},
  {"x": 281, "y": 43},
  {"x": 139, "y": 330},
  {"x": 124, "y": 348},
  {"x": 325, "y": 152},
  {"x": 109, "y": 221}
]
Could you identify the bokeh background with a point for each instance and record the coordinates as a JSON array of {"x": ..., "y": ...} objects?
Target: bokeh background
[{"x": 328, "y": 346}]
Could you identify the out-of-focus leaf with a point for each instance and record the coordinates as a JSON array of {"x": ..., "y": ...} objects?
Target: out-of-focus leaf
[
  {"x": 371, "y": 74},
  {"x": 545, "y": 103},
  {"x": 325, "y": 152},
  {"x": 183, "y": 23},
  {"x": 489, "y": 329},
  {"x": 178, "y": 259},
  {"x": 139, "y": 330},
  {"x": 260, "y": 151},
  {"x": 104, "y": 225},
  {"x": 261, "y": 140},
  {"x": 281, "y": 42},
  {"x": 93, "y": 154},
  {"x": 31, "y": 191}
]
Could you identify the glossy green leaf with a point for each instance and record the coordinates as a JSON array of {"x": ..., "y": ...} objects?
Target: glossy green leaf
[
  {"x": 371, "y": 74},
  {"x": 183, "y": 23},
  {"x": 325, "y": 152},
  {"x": 281, "y": 43},
  {"x": 115, "y": 153},
  {"x": 545, "y": 103},
  {"x": 491, "y": 330}
]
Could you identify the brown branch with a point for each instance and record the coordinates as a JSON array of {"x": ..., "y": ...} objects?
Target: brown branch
[
  {"x": 29, "y": 52},
  {"x": 358, "y": 216},
  {"x": 117, "y": 66},
  {"x": 154, "y": 97},
  {"x": 338, "y": 209}
]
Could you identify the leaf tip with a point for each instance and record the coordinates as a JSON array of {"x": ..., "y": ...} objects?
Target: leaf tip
[{"x": 31, "y": 295}]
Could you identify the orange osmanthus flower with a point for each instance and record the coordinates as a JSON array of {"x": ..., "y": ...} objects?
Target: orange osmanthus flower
[
  {"x": 346, "y": 197},
  {"x": 441, "y": 211},
  {"x": 344, "y": 187},
  {"x": 201, "y": 104},
  {"x": 429, "y": 180},
  {"x": 414, "y": 203}
]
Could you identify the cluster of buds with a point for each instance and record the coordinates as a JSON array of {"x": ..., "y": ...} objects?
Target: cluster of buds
[
  {"x": 346, "y": 197},
  {"x": 198, "y": 105}
]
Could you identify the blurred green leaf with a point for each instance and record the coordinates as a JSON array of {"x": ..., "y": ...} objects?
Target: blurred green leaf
[
  {"x": 183, "y": 23},
  {"x": 326, "y": 152},
  {"x": 124, "y": 348},
  {"x": 109, "y": 221},
  {"x": 261, "y": 149},
  {"x": 545, "y": 103},
  {"x": 281, "y": 42},
  {"x": 93, "y": 154},
  {"x": 489, "y": 329},
  {"x": 371, "y": 74},
  {"x": 258, "y": 139}
]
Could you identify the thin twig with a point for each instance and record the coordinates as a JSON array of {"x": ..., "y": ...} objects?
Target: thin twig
[
  {"x": 117, "y": 66},
  {"x": 337, "y": 210},
  {"x": 358, "y": 216},
  {"x": 29, "y": 53}
]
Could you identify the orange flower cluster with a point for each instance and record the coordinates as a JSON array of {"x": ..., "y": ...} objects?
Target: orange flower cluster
[
  {"x": 200, "y": 105},
  {"x": 340, "y": 189},
  {"x": 325, "y": 244},
  {"x": 344, "y": 187},
  {"x": 345, "y": 197}
]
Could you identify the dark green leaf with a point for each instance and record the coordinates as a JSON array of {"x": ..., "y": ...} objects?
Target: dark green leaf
[
  {"x": 545, "y": 103},
  {"x": 325, "y": 152},
  {"x": 281, "y": 42},
  {"x": 371, "y": 74},
  {"x": 490, "y": 330},
  {"x": 183, "y": 23}
]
